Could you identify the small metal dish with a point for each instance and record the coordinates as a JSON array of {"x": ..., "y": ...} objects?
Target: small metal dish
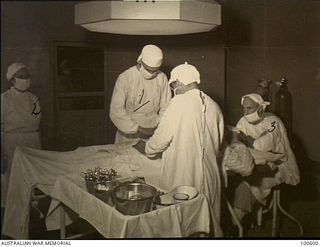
[{"x": 177, "y": 195}]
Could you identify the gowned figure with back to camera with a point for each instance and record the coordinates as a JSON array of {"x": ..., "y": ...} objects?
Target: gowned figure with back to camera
[{"x": 189, "y": 137}]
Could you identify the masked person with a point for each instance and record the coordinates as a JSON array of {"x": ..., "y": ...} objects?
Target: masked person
[
  {"x": 140, "y": 96},
  {"x": 189, "y": 137},
  {"x": 265, "y": 132},
  {"x": 20, "y": 118}
]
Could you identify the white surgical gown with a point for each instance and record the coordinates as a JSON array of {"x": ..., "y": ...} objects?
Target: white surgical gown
[
  {"x": 138, "y": 102},
  {"x": 270, "y": 136},
  {"x": 189, "y": 135},
  {"x": 20, "y": 120}
]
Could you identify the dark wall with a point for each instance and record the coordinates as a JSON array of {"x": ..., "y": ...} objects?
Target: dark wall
[
  {"x": 205, "y": 51},
  {"x": 29, "y": 30},
  {"x": 272, "y": 39},
  {"x": 263, "y": 39}
]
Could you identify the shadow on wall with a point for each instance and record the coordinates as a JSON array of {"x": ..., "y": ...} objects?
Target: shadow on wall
[{"x": 238, "y": 27}]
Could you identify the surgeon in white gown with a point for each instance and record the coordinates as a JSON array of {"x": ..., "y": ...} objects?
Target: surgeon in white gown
[
  {"x": 140, "y": 96},
  {"x": 189, "y": 137},
  {"x": 20, "y": 118}
]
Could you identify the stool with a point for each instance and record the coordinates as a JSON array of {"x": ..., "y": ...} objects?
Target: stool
[{"x": 274, "y": 206}]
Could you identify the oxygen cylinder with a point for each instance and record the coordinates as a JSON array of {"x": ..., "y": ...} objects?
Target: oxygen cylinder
[
  {"x": 283, "y": 104},
  {"x": 263, "y": 89}
]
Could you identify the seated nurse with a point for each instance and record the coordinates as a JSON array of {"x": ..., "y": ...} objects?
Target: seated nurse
[{"x": 263, "y": 131}]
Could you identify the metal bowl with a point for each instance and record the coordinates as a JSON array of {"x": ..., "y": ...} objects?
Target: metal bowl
[
  {"x": 102, "y": 189},
  {"x": 134, "y": 198}
]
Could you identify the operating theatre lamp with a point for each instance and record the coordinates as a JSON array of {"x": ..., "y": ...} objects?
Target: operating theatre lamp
[{"x": 149, "y": 17}]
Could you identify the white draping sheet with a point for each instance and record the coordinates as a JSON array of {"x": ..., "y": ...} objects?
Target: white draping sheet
[
  {"x": 179, "y": 220},
  {"x": 39, "y": 168}
]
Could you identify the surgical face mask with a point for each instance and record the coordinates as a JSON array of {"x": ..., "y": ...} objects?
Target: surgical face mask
[
  {"x": 253, "y": 117},
  {"x": 22, "y": 84},
  {"x": 175, "y": 90},
  {"x": 174, "y": 87},
  {"x": 146, "y": 74}
]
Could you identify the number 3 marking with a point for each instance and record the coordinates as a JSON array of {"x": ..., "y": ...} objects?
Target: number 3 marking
[{"x": 272, "y": 126}]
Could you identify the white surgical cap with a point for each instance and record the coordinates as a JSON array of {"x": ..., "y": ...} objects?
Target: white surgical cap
[
  {"x": 151, "y": 55},
  {"x": 256, "y": 98},
  {"x": 14, "y": 68},
  {"x": 185, "y": 73}
]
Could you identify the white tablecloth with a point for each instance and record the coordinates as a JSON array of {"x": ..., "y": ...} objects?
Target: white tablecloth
[
  {"x": 39, "y": 168},
  {"x": 179, "y": 220}
]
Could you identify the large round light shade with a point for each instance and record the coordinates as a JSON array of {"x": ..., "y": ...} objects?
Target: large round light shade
[{"x": 158, "y": 17}]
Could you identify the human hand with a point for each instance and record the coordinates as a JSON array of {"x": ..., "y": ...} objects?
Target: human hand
[
  {"x": 140, "y": 146},
  {"x": 247, "y": 140},
  {"x": 234, "y": 137},
  {"x": 241, "y": 136},
  {"x": 145, "y": 133}
]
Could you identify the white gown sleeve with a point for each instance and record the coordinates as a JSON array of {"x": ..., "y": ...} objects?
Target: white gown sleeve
[
  {"x": 118, "y": 113},
  {"x": 36, "y": 107},
  {"x": 163, "y": 134},
  {"x": 165, "y": 97},
  {"x": 240, "y": 125}
]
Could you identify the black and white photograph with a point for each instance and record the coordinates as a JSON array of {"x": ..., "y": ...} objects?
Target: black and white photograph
[{"x": 160, "y": 120}]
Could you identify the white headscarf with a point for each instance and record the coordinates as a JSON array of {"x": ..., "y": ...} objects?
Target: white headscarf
[
  {"x": 14, "y": 68},
  {"x": 185, "y": 73},
  {"x": 151, "y": 55},
  {"x": 256, "y": 98}
]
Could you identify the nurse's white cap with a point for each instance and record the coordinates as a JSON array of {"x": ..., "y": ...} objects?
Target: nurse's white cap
[
  {"x": 14, "y": 68},
  {"x": 256, "y": 98},
  {"x": 151, "y": 55},
  {"x": 185, "y": 73}
]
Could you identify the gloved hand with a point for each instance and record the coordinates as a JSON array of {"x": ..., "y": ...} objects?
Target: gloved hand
[
  {"x": 145, "y": 133},
  {"x": 247, "y": 140},
  {"x": 234, "y": 137},
  {"x": 140, "y": 146}
]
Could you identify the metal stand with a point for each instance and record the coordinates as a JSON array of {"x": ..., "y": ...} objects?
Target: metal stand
[
  {"x": 63, "y": 232},
  {"x": 35, "y": 199},
  {"x": 275, "y": 205},
  {"x": 234, "y": 216}
]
